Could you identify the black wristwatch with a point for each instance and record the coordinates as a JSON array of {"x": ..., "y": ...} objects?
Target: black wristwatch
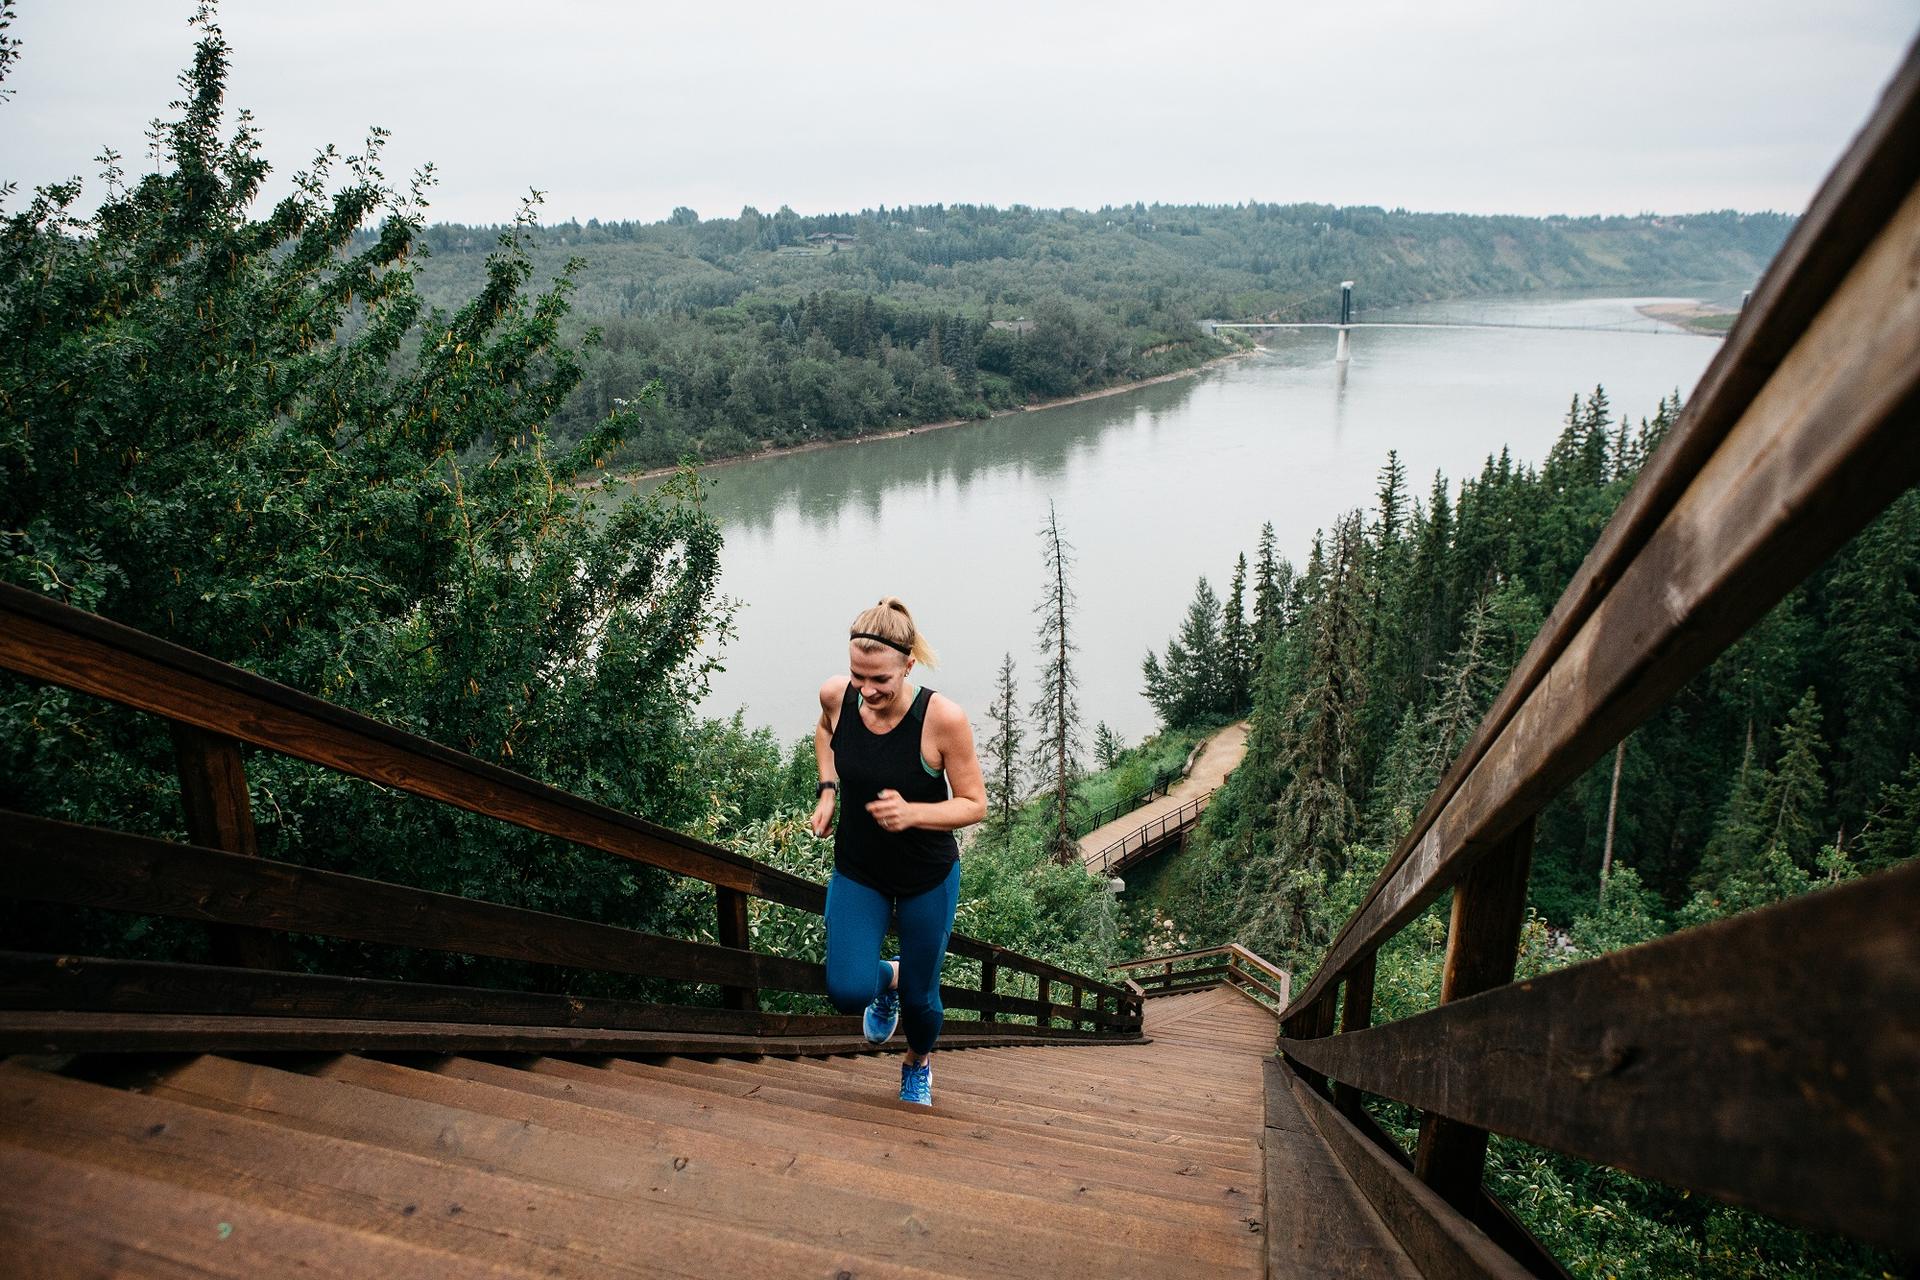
[{"x": 823, "y": 786}]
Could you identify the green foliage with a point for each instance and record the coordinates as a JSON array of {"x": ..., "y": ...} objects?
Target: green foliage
[{"x": 249, "y": 435}]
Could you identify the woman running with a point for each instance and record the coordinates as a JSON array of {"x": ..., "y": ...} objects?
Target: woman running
[{"x": 902, "y": 760}]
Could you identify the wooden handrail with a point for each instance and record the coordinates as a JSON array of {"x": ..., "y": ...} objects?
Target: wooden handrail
[
  {"x": 1118, "y": 852},
  {"x": 1716, "y": 1059},
  {"x": 1750, "y": 1059},
  {"x": 45, "y": 639},
  {"x": 1799, "y": 434}
]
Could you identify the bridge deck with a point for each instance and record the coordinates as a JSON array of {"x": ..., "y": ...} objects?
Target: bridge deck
[
  {"x": 1218, "y": 758},
  {"x": 1115, "y": 1160}
]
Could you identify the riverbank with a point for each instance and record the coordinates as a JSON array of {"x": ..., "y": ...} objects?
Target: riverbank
[
  {"x": 1119, "y": 388},
  {"x": 1694, "y": 317}
]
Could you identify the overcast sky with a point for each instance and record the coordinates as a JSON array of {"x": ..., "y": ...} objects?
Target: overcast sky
[{"x": 625, "y": 110}]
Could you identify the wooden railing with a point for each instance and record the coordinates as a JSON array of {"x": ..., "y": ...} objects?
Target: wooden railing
[
  {"x": 1147, "y": 837},
  {"x": 1769, "y": 1060},
  {"x": 1231, "y": 964},
  {"x": 252, "y": 1000},
  {"x": 1127, "y": 804}
]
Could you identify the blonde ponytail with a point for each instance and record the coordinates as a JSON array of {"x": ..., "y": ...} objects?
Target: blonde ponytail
[{"x": 893, "y": 624}]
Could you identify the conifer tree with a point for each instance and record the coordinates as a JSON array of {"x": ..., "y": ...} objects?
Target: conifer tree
[
  {"x": 1188, "y": 687},
  {"x": 1874, "y": 629},
  {"x": 1795, "y": 793},
  {"x": 1892, "y": 833},
  {"x": 1316, "y": 815},
  {"x": 1270, "y": 575},
  {"x": 1107, "y": 745},
  {"x": 1056, "y": 711},
  {"x": 1236, "y": 644},
  {"x": 1002, "y": 747}
]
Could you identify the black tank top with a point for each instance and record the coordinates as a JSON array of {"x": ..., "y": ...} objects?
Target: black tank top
[{"x": 898, "y": 863}]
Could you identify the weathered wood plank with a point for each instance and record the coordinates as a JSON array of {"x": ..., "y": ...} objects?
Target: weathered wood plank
[
  {"x": 54, "y": 982},
  {"x": 1767, "y": 1060},
  {"x": 219, "y": 814},
  {"x": 59, "y": 862},
  {"x": 1862, "y": 192},
  {"x": 88, "y": 1220},
  {"x": 88, "y": 1032},
  {"x": 43, "y": 638},
  {"x": 1318, "y": 1226},
  {"x": 731, "y": 930},
  {"x": 1442, "y": 1242},
  {"x": 1824, "y": 447},
  {"x": 1489, "y": 909}
]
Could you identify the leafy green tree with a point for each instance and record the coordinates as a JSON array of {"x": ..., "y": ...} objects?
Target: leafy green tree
[
  {"x": 248, "y": 434},
  {"x": 1107, "y": 745}
]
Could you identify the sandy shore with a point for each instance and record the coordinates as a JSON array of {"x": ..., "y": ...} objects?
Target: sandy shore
[
  {"x": 1117, "y": 389},
  {"x": 1694, "y": 317}
]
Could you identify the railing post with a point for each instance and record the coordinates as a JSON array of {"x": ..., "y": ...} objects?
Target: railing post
[
  {"x": 989, "y": 977},
  {"x": 1489, "y": 909},
  {"x": 1356, "y": 1014},
  {"x": 1045, "y": 1016},
  {"x": 732, "y": 932},
  {"x": 213, "y": 792}
]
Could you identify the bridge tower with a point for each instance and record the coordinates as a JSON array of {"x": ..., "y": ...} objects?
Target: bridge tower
[{"x": 1340, "y": 350}]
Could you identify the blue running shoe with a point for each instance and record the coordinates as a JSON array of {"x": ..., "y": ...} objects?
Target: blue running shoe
[
  {"x": 916, "y": 1083},
  {"x": 881, "y": 1017}
]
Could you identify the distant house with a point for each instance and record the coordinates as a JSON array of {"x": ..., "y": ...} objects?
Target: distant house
[
  {"x": 1021, "y": 325},
  {"x": 832, "y": 241}
]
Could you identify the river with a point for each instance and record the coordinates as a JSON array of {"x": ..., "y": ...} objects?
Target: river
[{"x": 1154, "y": 487}]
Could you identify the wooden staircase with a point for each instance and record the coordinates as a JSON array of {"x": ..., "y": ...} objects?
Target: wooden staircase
[
  {"x": 251, "y": 1118},
  {"x": 1117, "y": 1160}
]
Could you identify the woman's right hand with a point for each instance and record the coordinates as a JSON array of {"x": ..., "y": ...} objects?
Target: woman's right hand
[{"x": 822, "y": 819}]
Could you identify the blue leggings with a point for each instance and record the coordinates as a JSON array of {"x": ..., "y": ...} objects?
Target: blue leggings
[{"x": 857, "y": 919}]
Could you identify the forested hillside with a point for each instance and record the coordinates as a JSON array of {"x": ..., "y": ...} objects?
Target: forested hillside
[
  {"x": 1797, "y": 752},
  {"x": 1791, "y": 762},
  {"x": 782, "y": 329}
]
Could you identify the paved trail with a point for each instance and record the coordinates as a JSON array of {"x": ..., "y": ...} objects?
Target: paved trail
[{"x": 1217, "y": 759}]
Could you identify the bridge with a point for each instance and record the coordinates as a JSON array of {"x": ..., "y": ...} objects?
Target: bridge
[
  {"x": 1129, "y": 834},
  {"x": 244, "y": 1117}
]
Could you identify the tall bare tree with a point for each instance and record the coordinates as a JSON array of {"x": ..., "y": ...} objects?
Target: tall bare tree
[{"x": 1056, "y": 712}]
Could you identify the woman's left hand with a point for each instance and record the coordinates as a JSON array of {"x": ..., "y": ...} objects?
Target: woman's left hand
[{"x": 890, "y": 811}]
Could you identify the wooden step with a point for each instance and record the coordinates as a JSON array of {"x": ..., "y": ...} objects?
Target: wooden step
[
  {"x": 969, "y": 1161},
  {"x": 1004, "y": 1105},
  {"x": 482, "y": 1216},
  {"x": 69, "y": 1220},
  {"x": 1199, "y": 1110},
  {"x": 1156, "y": 1164},
  {"x": 1005, "y": 1239},
  {"x": 904, "y": 1123}
]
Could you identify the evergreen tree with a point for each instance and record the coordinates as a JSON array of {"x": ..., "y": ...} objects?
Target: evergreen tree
[
  {"x": 1107, "y": 745},
  {"x": 1002, "y": 747},
  {"x": 1236, "y": 644},
  {"x": 1316, "y": 812},
  {"x": 1056, "y": 711},
  {"x": 1892, "y": 833},
  {"x": 1874, "y": 630},
  {"x": 1270, "y": 584},
  {"x": 1795, "y": 794}
]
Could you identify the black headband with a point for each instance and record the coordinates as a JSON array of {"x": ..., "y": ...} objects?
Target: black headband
[{"x": 891, "y": 644}]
